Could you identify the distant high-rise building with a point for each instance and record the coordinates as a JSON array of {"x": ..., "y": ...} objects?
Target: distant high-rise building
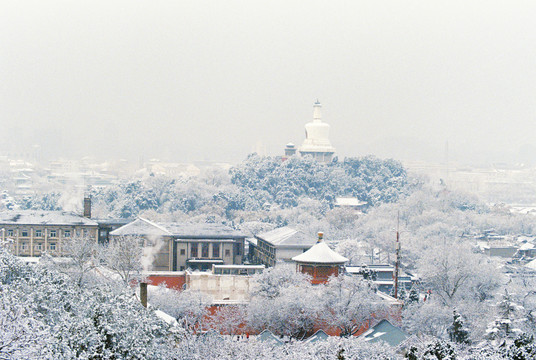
[{"x": 316, "y": 143}]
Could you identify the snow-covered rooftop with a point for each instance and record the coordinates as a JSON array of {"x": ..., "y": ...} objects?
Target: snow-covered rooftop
[
  {"x": 39, "y": 217},
  {"x": 320, "y": 254},
  {"x": 144, "y": 227},
  {"x": 287, "y": 237},
  {"x": 531, "y": 265},
  {"x": 349, "y": 201}
]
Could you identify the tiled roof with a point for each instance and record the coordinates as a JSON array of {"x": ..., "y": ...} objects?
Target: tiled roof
[
  {"x": 145, "y": 227},
  {"x": 384, "y": 331},
  {"x": 141, "y": 227},
  {"x": 320, "y": 254},
  {"x": 39, "y": 217},
  {"x": 287, "y": 237}
]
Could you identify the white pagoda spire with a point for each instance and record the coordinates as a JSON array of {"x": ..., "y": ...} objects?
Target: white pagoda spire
[{"x": 316, "y": 141}]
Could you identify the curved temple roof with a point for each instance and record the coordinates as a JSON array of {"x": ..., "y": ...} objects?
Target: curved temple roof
[{"x": 320, "y": 254}]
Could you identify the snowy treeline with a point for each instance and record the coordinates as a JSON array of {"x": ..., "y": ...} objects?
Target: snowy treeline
[
  {"x": 368, "y": 178},
  {"x": 253, "y": 185}
]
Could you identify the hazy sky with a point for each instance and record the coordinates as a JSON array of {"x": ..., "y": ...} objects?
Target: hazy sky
[{"x": 191, "y": 80}]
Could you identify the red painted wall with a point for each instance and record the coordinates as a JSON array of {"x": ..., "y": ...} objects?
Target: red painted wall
[{"x": 172, "y": 281}]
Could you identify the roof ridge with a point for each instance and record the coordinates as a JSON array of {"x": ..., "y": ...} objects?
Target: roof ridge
[{"x": 154, "y": 224}]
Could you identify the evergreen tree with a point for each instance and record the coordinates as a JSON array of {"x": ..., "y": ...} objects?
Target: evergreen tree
[
  {"x": 413, "y": 296},
  {"x": 367, "y": 273},
  {"x": 412, "y": 353},
  {"x": 439, "y": 350},
  {"x": 501, "y": 327},
  {"x": 523, "y": 348},
  {"x": 457, "y": 332}
]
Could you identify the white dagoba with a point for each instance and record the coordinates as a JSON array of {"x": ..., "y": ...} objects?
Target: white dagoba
[{"x": 316, "y": 143}]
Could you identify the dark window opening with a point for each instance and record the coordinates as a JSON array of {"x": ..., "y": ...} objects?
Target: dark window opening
[
  {"x": 216, "y": 250},
  {"x": 193, "y": 250},
  {"x": 237, "y": 249},
  {"x": 204, "y": 250}
]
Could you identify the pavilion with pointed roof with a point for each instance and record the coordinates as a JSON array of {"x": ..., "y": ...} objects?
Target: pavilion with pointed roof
[{"x": 320, "y": 262}]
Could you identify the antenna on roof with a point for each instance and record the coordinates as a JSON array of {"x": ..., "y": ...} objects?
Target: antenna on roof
[{"x": 397, "y": 253}]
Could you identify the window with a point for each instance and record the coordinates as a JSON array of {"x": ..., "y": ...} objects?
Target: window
[
  {"x": 237, "y": 249},
  {"x": 67, "y": 233},
  {"x": 38, "y": 233},
  {"x": 183, "y": 252},
  {"x": 181, "y": 268},
  {"x": 52, "y": 246},
  {"x": 85, "y": 232},
  {"x": 227, "y": 252},
  {"x": 23, "y": 246},
  {"x": 204, "y": 250},
  {"x": 53, "y": 233},
  {"x": 37, "y": 247},
  {"x": 10, "y": 232},
  {"x": 193, "y": 250},
  {"x": 216, "y": 250},
  {"x": 24, "y": 233}
]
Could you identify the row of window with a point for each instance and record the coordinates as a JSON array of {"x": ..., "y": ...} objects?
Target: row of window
[
  {"x": 38, "y": 247},
  {"x": 51, "y": 233},
  {"x": 194, "y": 250},
  {"x": 266, "y": 247},
  {"x": 267, "y": 255},
  {"x": 264, "y": 258}
]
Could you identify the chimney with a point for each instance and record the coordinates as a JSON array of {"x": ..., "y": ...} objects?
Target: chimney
[
  {"x": 320, "y": 237},
  {"x": 87, "y": 207},
  {"x": 143, "y": 293}
]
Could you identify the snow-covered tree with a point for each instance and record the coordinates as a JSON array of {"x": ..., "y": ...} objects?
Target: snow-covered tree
[
  {"x": 439, "y": 350},
  {"x": 452, "y": 271},
  {"x": 509, "y": 319},
  {"x": 283, "y": 301},
  {"x": 123, "y": 255},
  {"x": 228, "y": 319},
  {"x": 457, "y": 331},
  {"x": 430, "y": 317},
  {"x": 22, "y": 336},
  {"x": 48, "y": 312},
  {"x": 350, "y": 303},
  {"x": 271, "y": 281},
  {"x": 82, "y": 254},
  {"x": 292, "y": 312},
  {"x": 413, "y": 296},
  {"x": 188, "y": 307}
]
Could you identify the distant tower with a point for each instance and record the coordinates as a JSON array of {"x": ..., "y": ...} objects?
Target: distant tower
[
  {"x": 290, "y": 150},
  {"x": 316, "y": 143}
]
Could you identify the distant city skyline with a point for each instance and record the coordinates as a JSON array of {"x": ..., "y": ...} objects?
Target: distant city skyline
[{"x": 187, "y": 81}]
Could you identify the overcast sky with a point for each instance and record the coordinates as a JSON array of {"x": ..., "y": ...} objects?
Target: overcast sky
[{"x": 193, "y": 80}]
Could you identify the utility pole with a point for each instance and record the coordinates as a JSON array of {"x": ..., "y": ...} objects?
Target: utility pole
[{"x": 397, "y": 254}]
